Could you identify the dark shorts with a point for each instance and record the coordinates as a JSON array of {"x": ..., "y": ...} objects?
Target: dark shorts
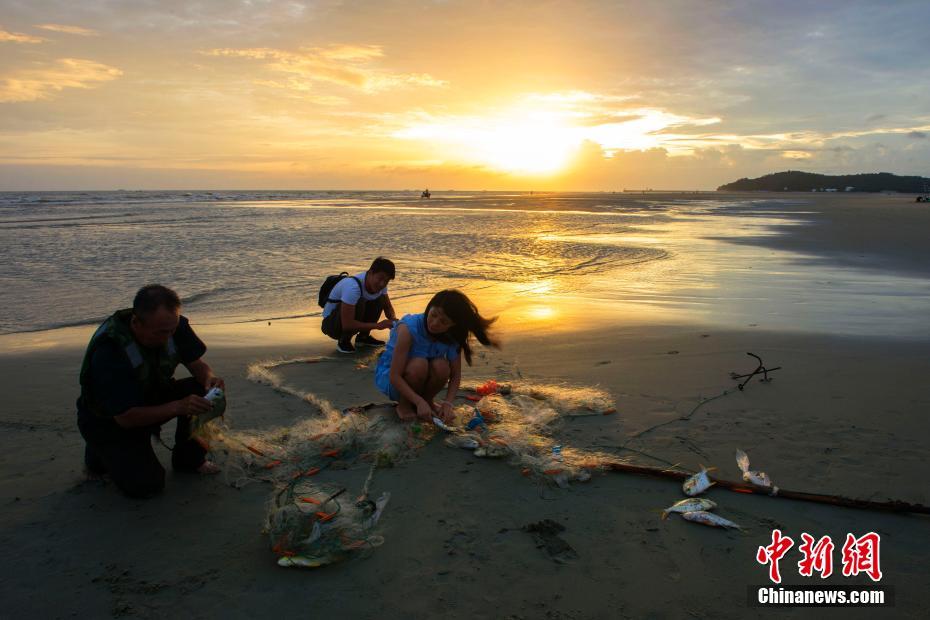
[{"x": 365, "y": 311}]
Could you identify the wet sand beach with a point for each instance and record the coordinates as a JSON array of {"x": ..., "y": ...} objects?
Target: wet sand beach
[{"x": 845, "y": 415}]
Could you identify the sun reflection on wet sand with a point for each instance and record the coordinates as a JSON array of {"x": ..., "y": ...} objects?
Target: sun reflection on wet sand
[{"x": 705, "y": 280}]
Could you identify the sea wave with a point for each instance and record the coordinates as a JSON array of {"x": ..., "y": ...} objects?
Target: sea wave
[
  {"x": 69, "y": 259},
  {"x": 42, "y": 327}
]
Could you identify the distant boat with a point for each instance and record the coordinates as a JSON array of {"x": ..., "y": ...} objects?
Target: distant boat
[{"x": 425, "y": 194}]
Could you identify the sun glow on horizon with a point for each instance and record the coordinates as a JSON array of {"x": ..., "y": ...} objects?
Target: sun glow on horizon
[
  {"x": 534, "y": 141},
  {"x": 540, "y": 135}
]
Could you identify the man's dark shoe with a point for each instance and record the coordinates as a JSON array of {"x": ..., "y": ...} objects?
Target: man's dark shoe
[
  {"x": 344, "y": 345},
  {"x": 368, "y": 341}
]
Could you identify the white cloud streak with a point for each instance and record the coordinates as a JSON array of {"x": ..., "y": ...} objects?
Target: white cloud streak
[
  {"x": 44, "y": 82},
  {"x": 18, "y": 37},
  {"x": 76, "y": 30},
  {"x": 345, "y": 65}
]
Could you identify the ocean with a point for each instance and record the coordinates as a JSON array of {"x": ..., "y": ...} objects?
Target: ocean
[{"x": 72, "y": 258}]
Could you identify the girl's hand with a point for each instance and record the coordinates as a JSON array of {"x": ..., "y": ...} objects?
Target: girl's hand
[
  {"x": 445, "y": 412},
  {"x": 424, "y": 411}
]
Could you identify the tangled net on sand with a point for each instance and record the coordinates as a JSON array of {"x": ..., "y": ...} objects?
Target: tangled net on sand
[
  {"x": 309, "y": 526},
  {"x": 310, "y": 523},
  {"x": 514, "y": 421}
]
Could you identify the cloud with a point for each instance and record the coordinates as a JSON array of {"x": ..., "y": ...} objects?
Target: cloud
[
  {"x": 43, "y": 82},
  {"x": 82, "y": 32},
  {"x": 345, "y": 65},
  {"x": 917, "y": 134},
  {"x": 18, "y": 37},
  {"x": 352, "y": 52},
  {"x": 302, "y": 90}
]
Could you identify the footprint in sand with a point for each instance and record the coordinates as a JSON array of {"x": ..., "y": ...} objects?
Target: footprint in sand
[{"x": 546, "y": 535}]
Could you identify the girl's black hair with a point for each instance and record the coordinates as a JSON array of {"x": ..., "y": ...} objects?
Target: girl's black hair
[{"x": 466, "y": 318}]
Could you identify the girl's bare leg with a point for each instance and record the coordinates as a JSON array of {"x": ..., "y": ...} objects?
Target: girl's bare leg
[
  {"x": 437, "y": 379},
  {"x": 415, "y": 374}
]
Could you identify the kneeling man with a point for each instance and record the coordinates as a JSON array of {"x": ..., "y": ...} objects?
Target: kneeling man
[{"x": 128, "y": 391}]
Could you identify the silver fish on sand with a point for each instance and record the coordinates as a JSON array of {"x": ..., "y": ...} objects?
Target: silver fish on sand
[
  {"x": 462, "y": 440},
  {"x": 444, "y": 426},
  {"x": 759, "y": 478},
  {"x": 302, "y": 561},
  {"x": 691, "y": 504},
  {"x": 698, "y": 483},
  {"x": 709, "y": 518}
]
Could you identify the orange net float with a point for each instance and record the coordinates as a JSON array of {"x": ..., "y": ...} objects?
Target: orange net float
[{"x": 488, "y": 387}]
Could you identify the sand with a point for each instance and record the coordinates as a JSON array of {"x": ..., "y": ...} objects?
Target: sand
[{"x": 845, "y": 415}]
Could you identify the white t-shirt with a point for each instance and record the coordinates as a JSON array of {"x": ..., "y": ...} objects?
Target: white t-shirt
[{"x": 349, "y": 292}]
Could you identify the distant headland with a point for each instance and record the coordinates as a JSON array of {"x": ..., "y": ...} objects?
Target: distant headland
[{"x": 796, "y": 181}]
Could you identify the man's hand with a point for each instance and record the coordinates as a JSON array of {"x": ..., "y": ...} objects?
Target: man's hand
[
  {"x": 385, "y": 324},
  {"x": 201, "y": 371},
  {"x": 191, "y": 405}
]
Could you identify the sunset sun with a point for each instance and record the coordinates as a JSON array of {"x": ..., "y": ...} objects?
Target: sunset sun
[{"x": 529, "y": 141}]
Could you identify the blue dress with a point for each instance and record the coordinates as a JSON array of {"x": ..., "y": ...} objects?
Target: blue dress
[{"x": 422, "y": 345}]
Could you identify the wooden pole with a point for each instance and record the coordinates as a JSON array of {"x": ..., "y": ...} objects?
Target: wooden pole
[{"x": 746, "y": 487}]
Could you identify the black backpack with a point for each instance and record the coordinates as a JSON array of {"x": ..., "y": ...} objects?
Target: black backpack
[{"x": 329, "y": 283}]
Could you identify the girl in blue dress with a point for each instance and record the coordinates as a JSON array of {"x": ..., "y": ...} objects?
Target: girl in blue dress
[{"x": 424, "y": 354}]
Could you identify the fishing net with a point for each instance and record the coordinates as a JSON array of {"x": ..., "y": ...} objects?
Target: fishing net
[
  {"x": 568, "y": 400},
  {"x": 515, "y": 421},
  {"x": 310, "y": 522},
  {"x": 313, "y": 523}
]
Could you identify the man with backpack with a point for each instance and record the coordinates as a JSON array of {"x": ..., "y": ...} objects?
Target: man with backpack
[{"x": 353, "y": 304}]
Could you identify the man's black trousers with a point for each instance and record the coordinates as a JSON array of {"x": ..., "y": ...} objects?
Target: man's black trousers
[
  {"x": 365, "y": 311},
  {"x": 126, "y": 454}
]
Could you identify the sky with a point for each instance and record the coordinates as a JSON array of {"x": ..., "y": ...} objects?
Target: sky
[{"x": 534, "y": 95}]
